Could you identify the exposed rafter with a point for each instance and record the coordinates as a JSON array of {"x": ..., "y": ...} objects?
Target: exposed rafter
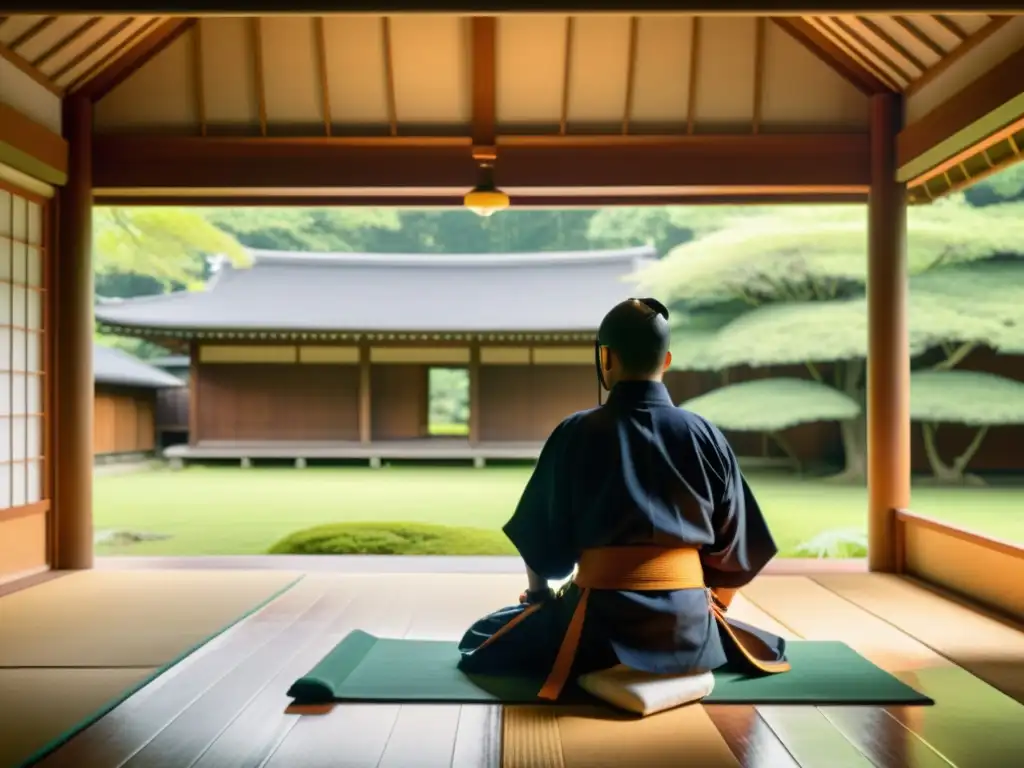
[{"x": 134, "y": 58}]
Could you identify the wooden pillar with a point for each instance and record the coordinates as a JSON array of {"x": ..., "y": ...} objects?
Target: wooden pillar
[
  {"x": 888, "y": 368},
  {"x": 194, "y": 374},
  {"x": 73, "y": 280},
  {"x": 474, "y": 393},
  {"x": 365, "y": 404}
]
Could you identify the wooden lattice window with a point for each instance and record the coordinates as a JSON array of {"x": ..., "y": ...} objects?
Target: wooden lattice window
[{"x": 23, "y": 348}]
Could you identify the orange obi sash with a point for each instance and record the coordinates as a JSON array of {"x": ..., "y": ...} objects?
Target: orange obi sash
[{"x": 640, "y": 568}]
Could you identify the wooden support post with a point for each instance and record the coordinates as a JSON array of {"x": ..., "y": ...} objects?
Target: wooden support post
[
  {"x": 474, "y": 394},
  {"x": 365, "y": 404},
  {"x": 73, "y": 348},
  {"x": 194, "y": 376},
  {"x": 888, "y": 369}
]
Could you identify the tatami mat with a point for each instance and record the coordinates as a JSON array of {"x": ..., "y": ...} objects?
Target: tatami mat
[
  {"x": 109, "y": 619},
  {"x": 38, "y": 706}
]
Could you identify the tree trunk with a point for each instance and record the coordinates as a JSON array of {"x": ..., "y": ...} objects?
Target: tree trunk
[
  {"x": 954, "y": 473},
  {"x": 853, "y": 431},
  {"x": 787, "y": 448}
]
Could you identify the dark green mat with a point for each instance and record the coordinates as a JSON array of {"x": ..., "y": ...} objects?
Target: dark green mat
[{"x": 367, "y": 668}]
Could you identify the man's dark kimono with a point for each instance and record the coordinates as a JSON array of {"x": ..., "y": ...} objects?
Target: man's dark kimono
[{"x": 635, "y": 471}]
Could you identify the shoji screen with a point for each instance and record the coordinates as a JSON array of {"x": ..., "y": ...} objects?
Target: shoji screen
[{"x": 23, "y": 385}]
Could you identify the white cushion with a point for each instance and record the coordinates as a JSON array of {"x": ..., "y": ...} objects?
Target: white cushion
[{"x": 644, "y": 693}]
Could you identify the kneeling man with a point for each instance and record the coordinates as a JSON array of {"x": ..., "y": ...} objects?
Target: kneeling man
[{"x": 647, "y": 503}]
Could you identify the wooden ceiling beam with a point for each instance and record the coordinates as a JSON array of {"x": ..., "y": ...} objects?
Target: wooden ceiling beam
[
  {"x": 831, "y": 54},
  {"x": 483, "y": 60},
  {"x": 970, "y": 116},
  {"x": 134, "y": 58},
  {"x": 32, "y": 148},
  {"x": 469, "y": 7},
  {"x": 794, "y": 162},
  {"x": 564, "y": 199}
]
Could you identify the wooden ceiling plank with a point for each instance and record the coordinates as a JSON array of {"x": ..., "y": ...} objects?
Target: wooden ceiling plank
[
  {"x": 91, "y": 49},
  {"x": 389, "y": 76},
  {"x": 874, "y": 50},
  {"x": 484, "y": 70},
  {"x": 691, "y": 96},
  {"x": 950, "y": 26},
  {"x": 760, "y": 35},
  {"x": 31, "y": 32},
  {"x": 859, "y": 57},
  {"x": 827, "y": 51},
  {"x": 321, "y": 65},
  {"x": 920, "y": 36},
  {"x": 627, "y": 109},
  {"x": 958, "y": 53},
  {"x": 570, "y": 32},
  {"x": 892, "y": 42},
  {"x": 134, "y": 57},
  {"x": 65, "y": 41}
]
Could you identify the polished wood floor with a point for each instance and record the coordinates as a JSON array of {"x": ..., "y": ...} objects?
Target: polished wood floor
[{"x": 225, "y": 706}]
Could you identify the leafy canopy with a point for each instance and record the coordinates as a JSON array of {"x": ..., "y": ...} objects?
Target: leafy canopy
[
  {"x": 772, "y": 405},
  {"x": 819, "y": 254},
  {"x": 302, "y": 229},
  {"x": 974, "y": 398},
  {"x": 165, "y": 243}
]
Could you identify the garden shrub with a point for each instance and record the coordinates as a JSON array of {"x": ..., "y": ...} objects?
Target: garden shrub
[{"x": 393, "y": 538}]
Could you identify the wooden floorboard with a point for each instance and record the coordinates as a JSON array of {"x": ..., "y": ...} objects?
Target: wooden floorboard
[
  {"x": 844, "y": 736},
  {"x": 436, "y": 607},
  {"x": 749, "y": 737},
  {"x": 987, "y": 647},
  {"x": 16, "y": 585},
  {"x": 226, "y": 705},
  {"x": 182, "y": 741},
  {"x": 120, "y": 734},
  {"x": 971, "y": 724},
  {"x": 260, "y": 725}
]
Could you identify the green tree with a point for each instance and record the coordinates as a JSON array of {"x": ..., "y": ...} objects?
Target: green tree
[
  {"x": 1007, "y": 184},
  {"x": 141, "y": 348},
  {"x": 665, "y": 227},
  {"x": 972, "y": 398},
  {"x": 303, "y": 229},
  {"x": 789, "y": 289},
  {"x": 774, "y": 405},
  {"x": 167, "y": 244}
]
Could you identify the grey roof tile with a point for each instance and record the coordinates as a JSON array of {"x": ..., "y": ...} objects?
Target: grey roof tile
[
  {"x": 538, "y": 292},
  {"x": 118, "y": 368}
]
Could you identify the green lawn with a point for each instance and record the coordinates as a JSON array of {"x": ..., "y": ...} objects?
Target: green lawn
[{"x": 216, "y": 511}]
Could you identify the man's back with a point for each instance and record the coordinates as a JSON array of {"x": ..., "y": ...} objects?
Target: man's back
[{"x": 639, "y": 470}]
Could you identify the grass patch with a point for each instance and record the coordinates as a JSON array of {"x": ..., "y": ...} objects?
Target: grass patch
[
  {"x": 233, "y": 511},
  {"x": 393, "y": 539}
]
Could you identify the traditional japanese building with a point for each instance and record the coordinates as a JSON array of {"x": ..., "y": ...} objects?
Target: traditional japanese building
[
  {"x": 329, "y": 355},
  {"x": 125, "y": 404}
]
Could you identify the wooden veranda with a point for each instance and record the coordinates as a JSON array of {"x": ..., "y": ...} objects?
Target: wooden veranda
[{"x": 650, "y": 103}]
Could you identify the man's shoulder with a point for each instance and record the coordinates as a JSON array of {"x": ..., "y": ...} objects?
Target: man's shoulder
[{"x": 699, "y": 427}]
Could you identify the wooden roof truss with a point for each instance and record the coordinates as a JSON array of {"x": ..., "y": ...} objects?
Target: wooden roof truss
[{"x": 92, "y": 55}]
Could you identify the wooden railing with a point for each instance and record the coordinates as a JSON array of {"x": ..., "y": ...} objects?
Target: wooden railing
[{"x": 979, "y": 568}]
